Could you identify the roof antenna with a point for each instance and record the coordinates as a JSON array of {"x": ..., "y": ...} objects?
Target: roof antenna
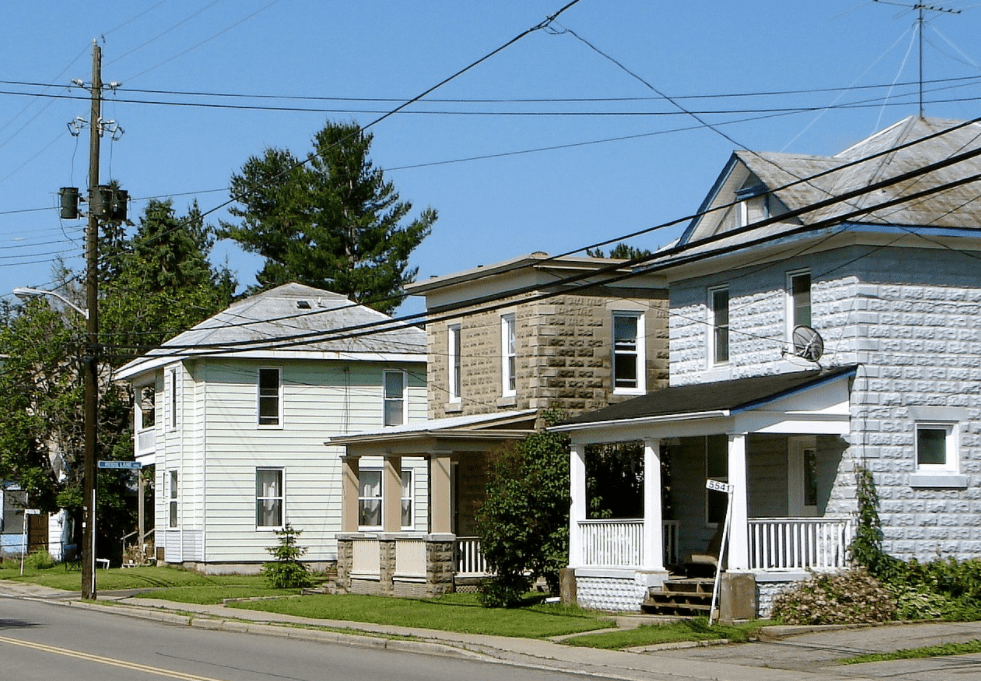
[{"x": 920, "y": 7}]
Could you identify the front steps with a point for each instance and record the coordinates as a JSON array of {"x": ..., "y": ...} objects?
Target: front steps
[{"x": 691, "y": 597}]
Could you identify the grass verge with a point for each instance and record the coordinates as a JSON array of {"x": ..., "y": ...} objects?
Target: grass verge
[
  {"x": 453, "y": 612},
  {"x": 675, "y": 632},
  {"x": 913, "y": 653}
]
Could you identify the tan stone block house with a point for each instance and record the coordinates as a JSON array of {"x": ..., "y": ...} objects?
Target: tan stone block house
[{"x": 505, "y": 341}]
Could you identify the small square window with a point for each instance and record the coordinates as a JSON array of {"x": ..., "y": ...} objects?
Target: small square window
[{"x": 936, "y": 448}]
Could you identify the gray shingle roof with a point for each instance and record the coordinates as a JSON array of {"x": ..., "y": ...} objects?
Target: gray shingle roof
[
  {"x": 722, "y": 396},
  {"x": 297, "y": 318},
  {"x": 933, "y": 139}
]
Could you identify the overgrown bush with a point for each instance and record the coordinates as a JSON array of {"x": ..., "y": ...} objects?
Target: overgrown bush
[
  {"x": 287, "y": 572},
  {"x": 39, "y": 560},
  {"x": 850, "y": 597}
]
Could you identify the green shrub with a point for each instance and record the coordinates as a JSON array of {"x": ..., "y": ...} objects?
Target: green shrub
[
  {"x": 851, "y": 597},
  {"x": 39, "y": 560},
  {"x": 287, "y": 572},
  {"x": 503, "y": 591}
]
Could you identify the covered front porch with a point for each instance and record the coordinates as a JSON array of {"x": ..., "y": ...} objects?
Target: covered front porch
[
  {"x": 778, "y": 442},
  {"x": 376, "y": 554}
]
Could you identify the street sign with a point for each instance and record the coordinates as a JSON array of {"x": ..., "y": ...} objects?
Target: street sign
[
  {"x": 127, "y": 465},
  {"x": 717, "y": 486}
]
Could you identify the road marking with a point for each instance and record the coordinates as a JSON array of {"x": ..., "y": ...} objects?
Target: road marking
[{"x": 107, "y": 660}]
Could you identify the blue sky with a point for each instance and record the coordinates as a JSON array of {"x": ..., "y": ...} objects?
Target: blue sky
[{"x": 559, "y": 141}]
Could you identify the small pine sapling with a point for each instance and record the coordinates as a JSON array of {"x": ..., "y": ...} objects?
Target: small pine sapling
[{"x": 287, "y": 572}]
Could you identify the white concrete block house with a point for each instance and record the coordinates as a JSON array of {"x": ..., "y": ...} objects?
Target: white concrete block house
[
  {"x": 233, "y": 416},
  {"x": 877, "y": 249}
]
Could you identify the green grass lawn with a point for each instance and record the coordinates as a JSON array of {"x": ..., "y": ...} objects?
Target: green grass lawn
[
  {"x": 453, "y": 612},
  {"x": 130, "y": 578},
  {"x": 652, "y": 634}
]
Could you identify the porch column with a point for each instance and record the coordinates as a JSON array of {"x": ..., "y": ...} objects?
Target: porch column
[
  {"x": 440, "y": 499},
  {"x": 653, "y": 524},
  {"x": 349, "y": 493},
  {"x": 577, "y": 510},
  {"x": 739, "y": 523},
  {"x": 392, "y": 494}
]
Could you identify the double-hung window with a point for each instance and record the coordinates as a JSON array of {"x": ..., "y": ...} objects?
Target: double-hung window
[
  {"x": 719, "y": 320},
  {"x": 394, "y": 398},
  {"x": 799, "y": 299},
  {"x": 270, "y": 393},
  {"x": 453, "y": 362},
  {"x": 407, "y": 498},
  {"x": 172, "y": 499},
  {"x": 508, "y": 356},
  {"x": 370, "y": 499},
  {"x": 628, "y": 352},
  {"x": 269, "y": 498}
]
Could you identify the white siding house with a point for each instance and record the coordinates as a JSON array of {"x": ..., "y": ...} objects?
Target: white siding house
[
  {"x": 234, "y": 413},
  {"x": 874, "y": 253}
]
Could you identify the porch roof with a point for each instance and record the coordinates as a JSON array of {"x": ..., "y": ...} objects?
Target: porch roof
[
  {"x": 504, "y": 425},
  {"x": 719, "y": 399}
]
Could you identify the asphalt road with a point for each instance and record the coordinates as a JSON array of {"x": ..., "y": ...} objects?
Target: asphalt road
[{"x": 47, "y": 641}]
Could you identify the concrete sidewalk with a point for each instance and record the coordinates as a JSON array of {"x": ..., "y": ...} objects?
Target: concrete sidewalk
[{"x": 790, "y": 653}]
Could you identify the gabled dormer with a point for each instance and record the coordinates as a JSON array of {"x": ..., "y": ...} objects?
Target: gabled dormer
[{"x": 738, "y": 199}]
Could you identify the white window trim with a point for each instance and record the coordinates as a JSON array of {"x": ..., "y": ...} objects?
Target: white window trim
[
  {"x": 258, "y": 383},
  {"x": 639, "y": 352},
  {"x": 454, "y": 366},
  {"x": 951, "y": 465},
  {"x": 791, "y": 306},
  {"x": 507, "y": 390},
  {"x": 281, "y": 497},
  {"x": 711, "y": 327},
  {"x": 381, "y": 498},
  {"x": 404, "y": 397}
]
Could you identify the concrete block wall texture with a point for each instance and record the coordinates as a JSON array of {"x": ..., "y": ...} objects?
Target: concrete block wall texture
[
  {"x": 911, "y": 320},
  {"x": 564, "y": 355}
]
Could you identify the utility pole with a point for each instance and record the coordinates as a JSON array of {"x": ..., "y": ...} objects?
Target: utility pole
[{"x": 90, "y": 355}]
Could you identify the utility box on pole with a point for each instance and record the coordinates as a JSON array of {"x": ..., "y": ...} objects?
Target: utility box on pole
[{"x": 69, "y": 203}]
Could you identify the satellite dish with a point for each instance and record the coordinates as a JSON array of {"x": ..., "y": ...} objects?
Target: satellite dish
[{"x": 807, "y": 343}]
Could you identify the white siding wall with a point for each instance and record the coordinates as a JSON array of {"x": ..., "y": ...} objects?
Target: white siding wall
[{"x": 219, "y": 446}]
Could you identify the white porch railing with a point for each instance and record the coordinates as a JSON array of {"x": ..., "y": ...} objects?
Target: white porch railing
[
  {"x": 146, "y": 441},
  {"x": 367, "y": 558},
  {"x": 469, "y": 560},
  {"x": 799, "y": 543},
  {"x": 410, "y": 557},
  {"x": 621, "y": 542}
]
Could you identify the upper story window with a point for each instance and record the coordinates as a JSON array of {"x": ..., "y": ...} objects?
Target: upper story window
[
  {"x": 453, "y": 362},
  {"x": 173, "y": 384},
  {"x": 269, "y": 498},
  {"x": 394, "y": 398},
  {"x": 628, "y": 352},
  {"x": 936, "y": 448},
  {"x": 719, "y": 321},
  {"x": 270, "y": 394},
  {"x": 754, "y": 204},
  {"x": 799, "y": 299},
  {"x": 508, "y": 355}
]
